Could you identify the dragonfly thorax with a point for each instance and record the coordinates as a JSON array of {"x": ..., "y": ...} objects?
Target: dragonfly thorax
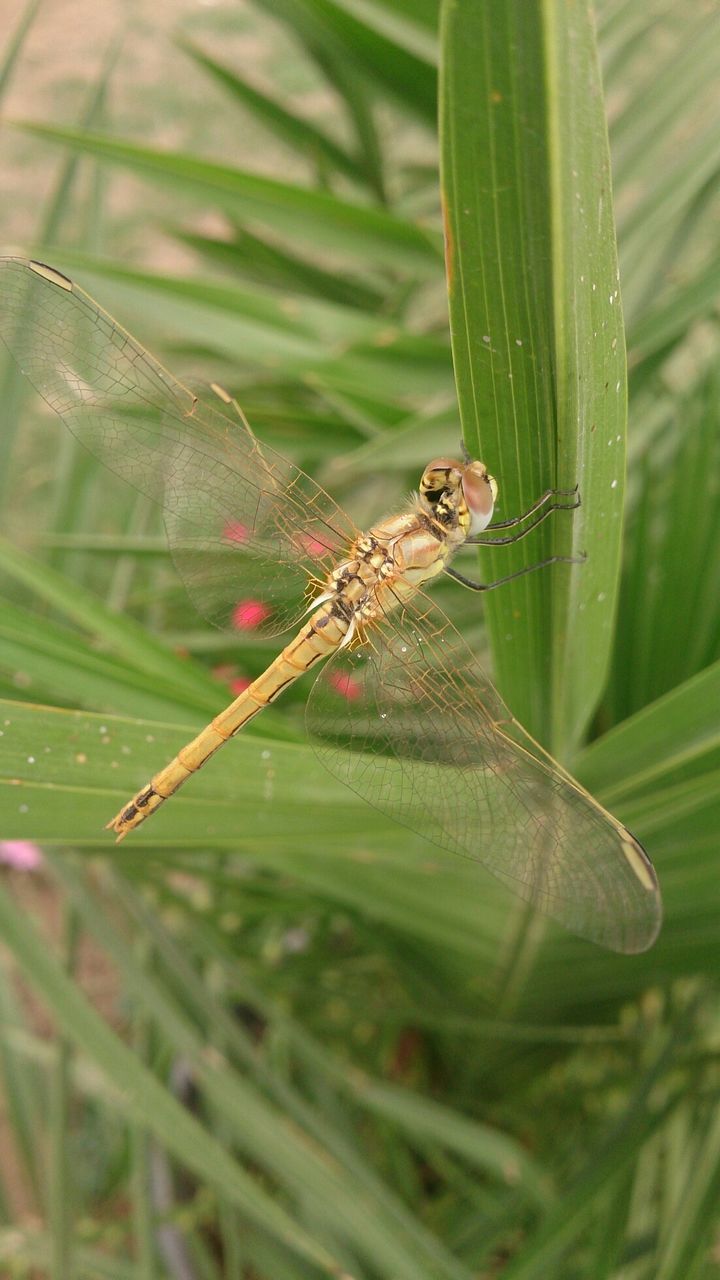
[{"x": 385, "y": 567}]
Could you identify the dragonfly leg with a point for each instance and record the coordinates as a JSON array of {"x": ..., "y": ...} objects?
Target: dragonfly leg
[
  {"x": 546, "y": 496},
  {"x": 499, "y": 582},
  {"x": 481, "y": 541}
]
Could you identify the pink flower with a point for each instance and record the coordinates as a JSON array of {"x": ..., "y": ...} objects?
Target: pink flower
[
  {"x": 21, "y": 855},
  {"x": 236, "y": 531},
  {"x": 346, "y": 685},
  {"x": 310, "y": 545},
  {"x": 228, "y": 673},
  {"x": 240, "y": 684},
  {"x": 225, "y": 672},
  {"x": 249, "y": 614}
]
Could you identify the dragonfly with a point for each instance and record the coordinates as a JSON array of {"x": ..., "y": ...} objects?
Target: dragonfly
[{"x": 422, "y": 734}]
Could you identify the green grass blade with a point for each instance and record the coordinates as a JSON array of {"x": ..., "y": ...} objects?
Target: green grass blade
[
  {"x": 251, "y": 256},
  {"x": 671, "y": 571},
  {"x": 64, "y": 774},
  {"x": 15, "y": 44},
  {"x": 422, "y": 12},
  {"x": 663, "y": 139},
  {"x": 541, "y": 1253},
  {"x": 669, "y": 320},
  {"x": 659, "y": 772},
  {"x": 428, "y": 1122},
  {"x": 228, "y": 317},
  {"x": 13, "y": 387},
  {"x": 62, "y": 1208},
  {"x": 537, "y": 333},
  {"x": 307, "y": 1158},
  {"x": 339, "y": 68},
  {"x": 315, "y": 217},
  {"x": 395, "y": 64},
  {"x": 144, "y": 1097},
  {"x": 674, "y": 85},
  {"x": 24, "y": 1095},
  {"x": 320, "y": 343},
  {"x": 53, "y": 664},
  {"x": 300, "y": 134},
  {"x": 686, "y": 1245},
  {"x": 676, "y": 736},
  {"x": 115, "y": 630},
  {"x": 92, "y": 117},
  {"x": 31, "y": 1250},
  {"x": 590, "y": 374},
  {"x": 140, "y": 1181},
  {"x": 358, "y": 98}
]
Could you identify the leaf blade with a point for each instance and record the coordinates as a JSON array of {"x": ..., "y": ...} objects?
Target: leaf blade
[
  {"x": 527, "y": 310},
  {"x": 312, "y": 215}
]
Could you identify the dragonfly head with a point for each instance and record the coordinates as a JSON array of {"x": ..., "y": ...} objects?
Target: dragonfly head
[{"x": 458, "y": 493}]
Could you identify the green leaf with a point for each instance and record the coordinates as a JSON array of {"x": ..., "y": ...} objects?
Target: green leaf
[
  {"x": 302, "y": 136},
  {"x": 659, "y": 771},
  {"x": 14, "y": 46},
  {"x": 340, "y": 70},
  {"x": 337, "y": 1188},
  {"x": 672, "y": 567},
  {"x": 664, "y": 140},
  {"x": 23, "y": 1092},
  {"x": 250, "y": 255},
  {"x": 675, "y": 737},
  {"x": 487, "y": 1150},
  {"x": 53, "y": 664},
  {"x": 114, "y": 630},
  {"x": 315, "y": 217},
  {"x": 320, "y": 343},
  {"x": 422, "y": 12},
  {"x": 545, "y": 1245},
  {"x": 13, "y": 387},
  {"x": 384, "y": 51},
  {"x": 686, "y": 1243},
  {"x": 264, "y": 326},
  {"x": 64, "y": 774},
  {"x": 669, "y": 319},
  {"x": 144, "y": 1096},
  {"x": 537, "y": 333}
]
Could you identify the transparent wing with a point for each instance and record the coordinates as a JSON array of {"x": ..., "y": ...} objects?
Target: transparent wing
[
  {"x": 410, "y": 723},
  {"x": 240, "y": 518}
]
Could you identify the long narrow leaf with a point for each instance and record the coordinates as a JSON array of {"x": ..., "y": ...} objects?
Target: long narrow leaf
[
  {"x": 14, "y": 46},
  {"x": 304, "y": 137},
  {"x": 144, "y": 1096},
  {"x": 313, "y": 216},
  {"x": 537, "y": 332},
  {"x": 404, "y": 72},
  {"x": 116, "y": 631}
]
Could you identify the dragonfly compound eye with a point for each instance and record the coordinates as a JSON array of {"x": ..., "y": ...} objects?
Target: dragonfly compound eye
[{"x": 480, "y": 492}]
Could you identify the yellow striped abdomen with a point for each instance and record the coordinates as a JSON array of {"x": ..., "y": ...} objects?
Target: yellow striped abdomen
[{"x": 317, "y": 640}]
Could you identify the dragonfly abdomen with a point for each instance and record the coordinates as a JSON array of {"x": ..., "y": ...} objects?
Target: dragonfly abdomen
[{"x": 319, "y": 638}]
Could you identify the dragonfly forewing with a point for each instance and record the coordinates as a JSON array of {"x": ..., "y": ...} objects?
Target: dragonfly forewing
[{"x": 233, "y": 510}]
